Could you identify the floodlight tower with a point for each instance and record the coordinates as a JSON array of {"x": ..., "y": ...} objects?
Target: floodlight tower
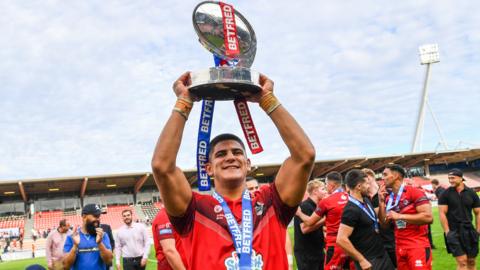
[{"x": 428, "y": 56}]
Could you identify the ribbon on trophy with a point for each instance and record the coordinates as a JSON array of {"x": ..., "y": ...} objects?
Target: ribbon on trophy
[{"x": 232, "y": 49}]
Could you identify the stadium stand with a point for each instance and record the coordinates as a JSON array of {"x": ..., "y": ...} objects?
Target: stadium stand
[
  {"x": 113, "y": 217},
  {"x": 12, "y": 221},
  {"x": 151, "y": 210}
]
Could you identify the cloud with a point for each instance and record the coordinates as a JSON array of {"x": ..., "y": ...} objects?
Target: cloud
[{"x": 86, "y": 88}]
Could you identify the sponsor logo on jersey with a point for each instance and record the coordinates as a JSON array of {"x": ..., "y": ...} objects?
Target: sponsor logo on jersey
[{"x": 231, "y": 263}]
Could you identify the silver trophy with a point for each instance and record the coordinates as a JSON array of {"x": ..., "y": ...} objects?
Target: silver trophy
[{"x": 224, "y": 82}]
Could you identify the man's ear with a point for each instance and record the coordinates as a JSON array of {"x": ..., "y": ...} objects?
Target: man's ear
[
  {"x": 209, "y": 169},
  {"x": 249, "y": 165}
]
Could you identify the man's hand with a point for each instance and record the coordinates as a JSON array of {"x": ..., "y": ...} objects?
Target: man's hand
[
  {"x": 143, "y": 263},
  {"x": 392, "y": 215},
  {"x": 76, "y": 238},
  {"x": 180, "y": 87},
  {"x": 267, "y": 87},
  {"x": 119, "y": 266},
  {"x": 365, "y": 265},
  {"x": 99, "y": 237},
  {"x": 382, "y": 193}
]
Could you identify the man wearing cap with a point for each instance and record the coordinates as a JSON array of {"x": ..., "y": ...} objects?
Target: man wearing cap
[
  {"x": 455, "y": 210},
  {"x": 88, "y": 247},
  {"x": 409, "y": 209}
]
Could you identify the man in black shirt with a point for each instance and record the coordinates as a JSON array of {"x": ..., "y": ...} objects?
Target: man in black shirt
[
  {"x": 455, "y": 210},
  {"x": 386, "y": 233},
  {"x": 309, "y": 242},
  {"x": 358, "y": 234}
]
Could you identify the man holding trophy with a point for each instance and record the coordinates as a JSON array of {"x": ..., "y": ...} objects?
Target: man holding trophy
[{"x": 228, "y": 229}]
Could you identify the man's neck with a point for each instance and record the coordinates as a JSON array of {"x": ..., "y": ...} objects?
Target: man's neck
[
  {"x": 460, "y": 187},
  {"x": 396, "y": 186},
  {"x": 314, "y": 198},
  {"x": 230, "y": 192},
  {"x": 357, "y": 195}
]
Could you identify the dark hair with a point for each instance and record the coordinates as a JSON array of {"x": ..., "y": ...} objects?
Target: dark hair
[
  {"x": 62, "y": 223},
  {"x": 127, "y": 210},
  {"x": 354, "y": 177},
  {"x": 435, "y": 182},
  {"x": 334, "y": 176},
  {"x": 396, "y": 168},
  {"x": 224, "y": 137}
]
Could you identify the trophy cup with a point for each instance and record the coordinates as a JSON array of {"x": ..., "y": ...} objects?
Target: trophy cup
[
  {"x": 213, "y": 24},
  {"x": 231, "y": 39}
]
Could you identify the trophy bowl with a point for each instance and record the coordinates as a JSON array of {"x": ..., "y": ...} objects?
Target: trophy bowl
[{"x": 225, "y": 82}]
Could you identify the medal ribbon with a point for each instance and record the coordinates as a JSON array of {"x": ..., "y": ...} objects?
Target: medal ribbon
[
  {"x": 369, "y": 211},
  {"x": 397, "y": 200},
  {"x": 241, "y": 237},
  {"x": 203, "y": 144}
]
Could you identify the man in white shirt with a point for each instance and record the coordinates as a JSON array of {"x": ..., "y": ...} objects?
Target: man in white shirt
[{"x": 131, "y": 243}]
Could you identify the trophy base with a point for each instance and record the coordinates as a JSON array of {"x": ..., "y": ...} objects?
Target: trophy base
[{"x": 224, "y": 83}]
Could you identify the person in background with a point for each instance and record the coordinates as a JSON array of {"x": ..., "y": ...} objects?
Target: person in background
[
  {"x": 309, "y": 243},
  {"x": 168, "y": 244},
  {"x": 54, "y": 246},
  {"x": 437, "y": 189},
  {"x": 133, "y": 244},
  {"x": 88, "y": 247},
  {"x": 455, "y": 210}
]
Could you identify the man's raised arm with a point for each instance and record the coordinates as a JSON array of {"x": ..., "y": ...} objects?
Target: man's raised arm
[
  {"x": 292, "y": 178},
  {"x": 174, "y": 187}
]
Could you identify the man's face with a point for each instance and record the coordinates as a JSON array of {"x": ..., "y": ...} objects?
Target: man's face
[
  {"x": 454, "y": 180},
  {"x": 228, "y": 161},
  {"x": 364, "y": 186},
  {"x": 64, "y": 229},
  {"x": 389, "y": 177},
  {"x": 91, "y": 222},
  {"x": 127, "y": 217},
  {"x": 252, "y": 186},
  {"x": 320, "y": 192},
  {"x": 331, "y": 186}
]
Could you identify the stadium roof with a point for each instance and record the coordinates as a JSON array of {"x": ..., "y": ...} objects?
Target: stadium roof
[{"x": 136, "y": 182}]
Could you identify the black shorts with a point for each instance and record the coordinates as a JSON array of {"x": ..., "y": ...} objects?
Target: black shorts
[{"x": 464, "y": 242}]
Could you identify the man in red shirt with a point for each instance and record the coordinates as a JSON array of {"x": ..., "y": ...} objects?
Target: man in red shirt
[
  {"x": 410, "y": 211},
  {"x": 331, "y": 208},
  {"x": 209, "y": 224},
  {"x": 168, "y": 245}
]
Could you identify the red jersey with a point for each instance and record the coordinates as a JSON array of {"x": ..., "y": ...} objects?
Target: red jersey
[
  {"x": 332, "y": 208},
  {"x": 162, "y": 229},
  {"x": 410, "y": 235},
  {"x": 207, "y": 239}
]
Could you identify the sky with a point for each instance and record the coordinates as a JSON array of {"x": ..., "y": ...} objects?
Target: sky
[{"x": 85, "y": 86}]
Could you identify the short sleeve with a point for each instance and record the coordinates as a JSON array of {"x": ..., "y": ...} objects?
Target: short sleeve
[
  {"x": 184, "y": 224},
  {"x": 284, "y": 212},
  {"x": 106, "y": 241},
  {"x": 164, "y": 230},
  {"x": 306, "y": 208},
  {"x": 350, "y": 216},
  {"x": 68, "y": 244},
  {"x": 321, "y": 208},
  {"x": 418, "y": 197},
  {"x": 443, "y": 200},
  {"x": 476, "y": 200}
]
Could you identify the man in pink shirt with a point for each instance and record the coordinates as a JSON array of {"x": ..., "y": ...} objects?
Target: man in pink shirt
[{"x": 54, "y": 246}]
